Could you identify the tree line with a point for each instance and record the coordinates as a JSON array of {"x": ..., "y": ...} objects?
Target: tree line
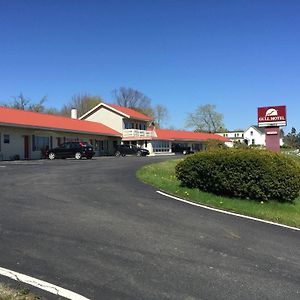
[
  {"x": 126, "y": 97},
  {"x": 205, "y": 118}
]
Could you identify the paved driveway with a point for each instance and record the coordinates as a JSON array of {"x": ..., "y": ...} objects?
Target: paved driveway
[{"x": 91, "y": 227}]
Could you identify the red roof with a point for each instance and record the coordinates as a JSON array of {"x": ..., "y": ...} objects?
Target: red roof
[
  {"x": 165, "y": 134},
  {"x": 15, "y": 117},
  {"x": 131, "y": 112}
]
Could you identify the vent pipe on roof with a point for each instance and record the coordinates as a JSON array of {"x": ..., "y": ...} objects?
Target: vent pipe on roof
[{"x": 74, "y": 113}]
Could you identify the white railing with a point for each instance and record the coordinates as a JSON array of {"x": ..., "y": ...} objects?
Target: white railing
[{"x": 138, "y": 133}]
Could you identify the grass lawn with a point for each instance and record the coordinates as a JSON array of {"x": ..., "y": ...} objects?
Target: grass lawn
[
  {"x": 8, "y": 293},
  {"x": 162, "y": 176}
]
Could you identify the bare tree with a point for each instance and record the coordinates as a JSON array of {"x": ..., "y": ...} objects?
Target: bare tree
[
  {"x": 23, "y": 103},
  {"x": 205, "y": 118},
  {"x": 39, "y": 106},
  {"x": 82, "y": 102},
  {"x": 131, "y": 98},
  {"x": 160, "y": 114},
  {"x": 19, "y": 102}
]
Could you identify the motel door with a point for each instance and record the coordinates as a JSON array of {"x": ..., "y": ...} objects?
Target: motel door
[{"x": 26, "y": 147}]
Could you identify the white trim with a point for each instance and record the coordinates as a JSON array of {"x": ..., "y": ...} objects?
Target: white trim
[
  {"x": 43, "y": 285},
  {"x": 227, "y": 212},
  {"x": 106, "y": 106},
  {"x": 253, "y": 126}
]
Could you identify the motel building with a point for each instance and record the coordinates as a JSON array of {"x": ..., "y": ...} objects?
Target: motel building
[
  {"x": 24, "y": 134},
  {"x": 134, "y": 129}
]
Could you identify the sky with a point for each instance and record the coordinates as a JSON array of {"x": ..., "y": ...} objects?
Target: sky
[{"x": 237, "y": 55}]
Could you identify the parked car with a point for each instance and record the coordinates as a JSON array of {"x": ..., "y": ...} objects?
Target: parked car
[
  {"x": 122, "y": 150},
  {"x": 178, "y": 148},
  {"x": 71, "y": 149}
]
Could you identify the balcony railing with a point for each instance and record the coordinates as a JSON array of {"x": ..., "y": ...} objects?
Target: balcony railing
[{"x": 138, "y": 133}]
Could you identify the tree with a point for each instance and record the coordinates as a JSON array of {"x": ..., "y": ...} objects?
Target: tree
[
  {"x": 131, "y": 98},
  {"x": 20, "y": 102},
  {"x": 82, "y": 102},
  {"x": 205, "y": 118},
  {"x": 292, "y": 139},
  {"x": 160, "y": 114},
  {"x": 39, "y": 106},
  {"x": 23, "y": 103}
]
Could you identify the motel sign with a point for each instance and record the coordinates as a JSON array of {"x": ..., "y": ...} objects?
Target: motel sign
[{"x": 271, "y": 117}]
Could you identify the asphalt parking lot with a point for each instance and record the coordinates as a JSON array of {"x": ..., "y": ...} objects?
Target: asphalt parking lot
[{"x": 93, "y": 228}]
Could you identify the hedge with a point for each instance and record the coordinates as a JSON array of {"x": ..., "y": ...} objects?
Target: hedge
[{"x": 249, "y": 174}]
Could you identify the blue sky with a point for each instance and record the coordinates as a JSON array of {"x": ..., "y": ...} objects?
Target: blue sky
[{"x": 237, "y": 55}]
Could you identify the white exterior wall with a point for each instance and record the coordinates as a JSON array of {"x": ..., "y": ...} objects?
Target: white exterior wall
[
  {"x": 16, "y": 141},
  {"x": 281, "y": 142},
  {"x": 150, "y": 148},
  {"x": 234, "y": 136},
  {"x": 108, "y": 118},
  {"x": 252, "y": 133}
]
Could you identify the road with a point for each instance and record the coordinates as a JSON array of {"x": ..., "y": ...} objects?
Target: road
[{"x": 93, "y": 228}]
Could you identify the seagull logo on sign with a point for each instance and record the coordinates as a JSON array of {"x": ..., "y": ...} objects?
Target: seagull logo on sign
[
  {"x": 272, "y": 116},
  {"x": 271, "y": 112}
]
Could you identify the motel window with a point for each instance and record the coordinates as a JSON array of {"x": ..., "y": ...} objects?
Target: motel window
[
  {"x": 253, "y": 141},
  {"x": 242, "y": 135},
  {"x": 72, "y": 139},
  {"x": 128, "y": 125},
  {"x": 6, "y": 138},
  {"x": 251, "y": 133},
  {"x": 196, "y": 147},
  {"x": 160, "y": 146},
  {"x": 40, "y": 143},
  {"x": 142, "y": 126}
]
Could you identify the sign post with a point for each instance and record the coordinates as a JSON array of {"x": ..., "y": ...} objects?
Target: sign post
[{"x": 271, "y": 118}]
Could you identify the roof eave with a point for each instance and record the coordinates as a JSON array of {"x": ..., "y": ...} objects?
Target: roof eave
[
  {"x": 98, "y": 106},
  {"x": 57, "y": 129}
]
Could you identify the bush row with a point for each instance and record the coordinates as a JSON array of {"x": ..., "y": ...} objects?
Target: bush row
[{"x": 244, "y": 173}]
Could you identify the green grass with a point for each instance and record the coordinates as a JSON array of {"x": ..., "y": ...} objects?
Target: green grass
[{"x": 162, "y": 176}]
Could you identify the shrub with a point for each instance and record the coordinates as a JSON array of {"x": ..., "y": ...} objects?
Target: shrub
[
  {"x": 214, "y": 144},
  {"x": 244, "y": 173}
]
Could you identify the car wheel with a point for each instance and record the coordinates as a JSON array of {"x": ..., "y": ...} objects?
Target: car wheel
[
  {"x": 89, "y": 157},
  {"x": 78, "y": 155},
  {"x": 139, "y": 153},
  {"x": 51, "y": 155},
  {"x": 117, "y": 153},
  {"x": 184, "y": 152}
]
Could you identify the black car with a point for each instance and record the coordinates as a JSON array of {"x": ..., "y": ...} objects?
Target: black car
[
  {"x": 122, "y": 150},
  {"x": 179, "y": 148},
  {"x": 71, "y": 149}
]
